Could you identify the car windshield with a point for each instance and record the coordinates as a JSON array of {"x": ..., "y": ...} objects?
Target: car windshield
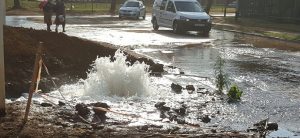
[
  {"x": 186, "y": 6},
  {"x": 131, "y": 4}
]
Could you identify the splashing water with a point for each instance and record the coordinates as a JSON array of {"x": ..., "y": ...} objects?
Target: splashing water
[{"x": 116, "y": 78}]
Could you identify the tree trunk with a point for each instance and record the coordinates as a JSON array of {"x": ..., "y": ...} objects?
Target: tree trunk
[
  {"x": 17, "y": 4},
  {"x": 113, "y": 6},
  {"x": 209, "y": 4}
]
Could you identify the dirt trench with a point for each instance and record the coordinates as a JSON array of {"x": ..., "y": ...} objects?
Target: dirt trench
[{"x": 67, "y": 58}]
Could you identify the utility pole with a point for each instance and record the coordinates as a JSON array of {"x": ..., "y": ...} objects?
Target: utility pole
[{"x": 2, "y": 80}]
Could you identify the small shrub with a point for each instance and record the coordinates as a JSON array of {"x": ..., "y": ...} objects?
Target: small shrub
[
  {"x": 234, "y": 94},
  {"x": 221, "y": 77}
]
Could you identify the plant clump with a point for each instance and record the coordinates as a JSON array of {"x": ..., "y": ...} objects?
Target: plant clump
[{"x": 234, "y": 94}]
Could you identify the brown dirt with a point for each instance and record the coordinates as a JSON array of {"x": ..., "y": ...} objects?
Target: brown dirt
[
  {"x": 67, "y": 58},
  {"x": 61, "y": 122}
]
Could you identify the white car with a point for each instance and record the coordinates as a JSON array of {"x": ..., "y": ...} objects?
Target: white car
[
  {"x": 132, "y": 8},
  {"x": 180, "y": 15}
]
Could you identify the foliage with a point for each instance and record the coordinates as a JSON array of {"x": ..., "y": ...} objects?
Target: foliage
[
  {"x": 234, "y": 94},
  {"x": 222, "y": 80}
]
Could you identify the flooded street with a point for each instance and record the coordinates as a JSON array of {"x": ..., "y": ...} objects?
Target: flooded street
[{"x": 268, "y": 75}]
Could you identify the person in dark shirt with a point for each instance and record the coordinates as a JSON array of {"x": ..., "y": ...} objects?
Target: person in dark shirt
[
  {"x": 48, "y": 9},
  {"x": 60, "y": 15}
]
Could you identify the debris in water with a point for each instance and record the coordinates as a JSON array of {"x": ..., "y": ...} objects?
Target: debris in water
[
  {"x": 46, "y": 104},
  {"x": 82, "y": 110},
  {"x": 176, "y": 88},
  {"x": 205, "y": 119},
  {"x": 99, "y": 114}
]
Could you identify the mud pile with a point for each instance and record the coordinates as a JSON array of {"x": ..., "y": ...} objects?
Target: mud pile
[{"x": 67, "y": 58}]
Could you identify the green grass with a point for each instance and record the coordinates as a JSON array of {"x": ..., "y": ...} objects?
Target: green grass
[
  {"x": 286, "y": 31},
  {"x": 263, "y": 23},
  {"x": 286, "y": 36}
]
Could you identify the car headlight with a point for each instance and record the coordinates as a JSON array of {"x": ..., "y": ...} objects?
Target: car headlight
[
  {"x": 209, "y": 19},
  {"x": 184, "y": 18}
]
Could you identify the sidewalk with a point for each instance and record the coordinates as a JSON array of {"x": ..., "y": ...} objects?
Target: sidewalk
[{"x": 261, "y": 28}]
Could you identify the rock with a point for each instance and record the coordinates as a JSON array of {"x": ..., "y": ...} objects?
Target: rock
[
  {"x": 161, "y": 106},
  {"x": 46, "y": 105},
  {"x": 181, "y": 111},
  {"x": 172, "y": 116},
  {"x": 261, "y": 123},
  {"x": 272, "y": 126},
  {"x": 99, "y": 114},
  {"x": 157, "y": 68},
  {"x": 82, "y": 110},
  {"x": 176, "y": 88},
  {"x": 60, "y": 103},
  {"x": 205, "y": 119},
  {"x": 163, "y": 115},
  {"x": 180, "y": 121},
  {"x": 190, "y": 88},
  {"x": 144, "y": 128}
]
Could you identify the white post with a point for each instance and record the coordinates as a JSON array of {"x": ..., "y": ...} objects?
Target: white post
[{"x": 2, "y": 80}]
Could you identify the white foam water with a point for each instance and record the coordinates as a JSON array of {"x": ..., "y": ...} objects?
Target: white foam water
[{"x": 117, "y": 78}]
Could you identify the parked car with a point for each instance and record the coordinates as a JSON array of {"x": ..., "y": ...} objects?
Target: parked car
[
  {"x": 133, "y": 9},
  {"x": 180, "y": 15}
]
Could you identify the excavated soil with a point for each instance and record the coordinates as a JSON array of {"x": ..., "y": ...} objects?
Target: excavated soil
[{"x": 67, "y": 58}]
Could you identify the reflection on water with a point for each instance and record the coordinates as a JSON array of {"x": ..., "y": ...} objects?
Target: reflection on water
[{"x": 269, "y": 77}]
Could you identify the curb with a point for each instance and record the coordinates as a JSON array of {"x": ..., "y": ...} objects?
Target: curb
[{"x": 220, "y": 27}]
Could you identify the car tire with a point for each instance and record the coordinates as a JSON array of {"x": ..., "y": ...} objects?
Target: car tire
[
  {"x": 155, "y": 25},
  {"x": 137, "y": 16},
  {"x": 144, "y": 17},
  {"x": 176, "y": 28},
  {"x": 206, "y": 33}
]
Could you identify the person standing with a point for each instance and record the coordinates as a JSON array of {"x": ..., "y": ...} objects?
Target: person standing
[
  {"x": 48, "y": 7},
  {"x": 60, "y": 15}
]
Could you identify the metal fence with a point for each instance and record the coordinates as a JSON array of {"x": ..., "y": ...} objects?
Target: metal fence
[{"x": 285, "y": 10}]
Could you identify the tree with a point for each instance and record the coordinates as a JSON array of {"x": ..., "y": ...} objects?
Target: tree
[
  {"x": 17, "y": 4},
  {"x": 113, "y": 6},
  {"x": 208, "y": 6}
]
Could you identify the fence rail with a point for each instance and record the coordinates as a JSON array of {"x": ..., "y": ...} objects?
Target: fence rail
[{"x": 288, "y": 10}]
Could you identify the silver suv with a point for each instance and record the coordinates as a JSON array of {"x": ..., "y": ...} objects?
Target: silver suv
[{"x": 132, "y": 8}]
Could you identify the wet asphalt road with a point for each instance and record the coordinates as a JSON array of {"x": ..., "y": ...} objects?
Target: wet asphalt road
[{"x": 269, "y": 77}]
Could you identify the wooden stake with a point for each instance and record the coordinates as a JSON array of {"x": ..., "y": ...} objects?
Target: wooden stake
[{"x": 35, "y": 77}]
